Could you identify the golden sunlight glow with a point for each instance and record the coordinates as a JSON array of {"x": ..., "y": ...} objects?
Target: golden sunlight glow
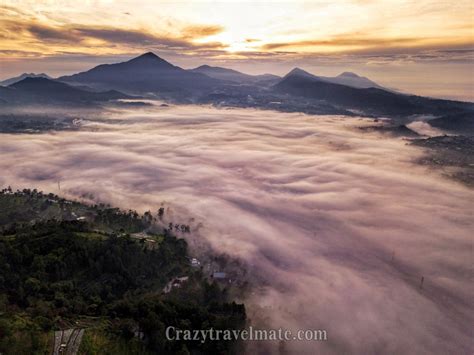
[
  {"x": 49, "y": 27},
  {"x": 253, "y": 36}
]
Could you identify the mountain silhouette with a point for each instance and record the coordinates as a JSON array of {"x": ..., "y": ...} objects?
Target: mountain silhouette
[
  {"x": 234, "y": 75},
  {"x": 373, "y": 101},
  {"x": 298, "y": 91},
  {"x": 143, "y": 74},
  {"x": 47, "y": 91},
  {"x": 345, "y": 78},
  {"x": 23, "y": 76}
]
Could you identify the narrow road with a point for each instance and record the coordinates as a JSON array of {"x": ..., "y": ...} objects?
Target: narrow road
[{"x": 67, "y": 342}]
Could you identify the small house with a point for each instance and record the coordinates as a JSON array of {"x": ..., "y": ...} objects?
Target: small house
[
  {"x": 219, "y": 275},
  {"x": 195, "y": 262}
]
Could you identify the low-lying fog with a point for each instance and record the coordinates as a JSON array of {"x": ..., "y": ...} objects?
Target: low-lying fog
[{"x": 340, "y": 223}]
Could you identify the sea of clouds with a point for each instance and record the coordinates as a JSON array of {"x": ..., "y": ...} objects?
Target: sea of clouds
[{"x": 339, "y": 225}]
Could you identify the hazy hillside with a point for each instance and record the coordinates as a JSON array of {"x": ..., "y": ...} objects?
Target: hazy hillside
[
  {"x": 346, "y": 78},
  {"x": 372, "y": 101},
  {"x": 234, "y": 75},
  {"x": 46, "y": 91}
]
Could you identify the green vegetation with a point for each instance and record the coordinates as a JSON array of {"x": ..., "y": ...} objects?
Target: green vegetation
[{"x": 68, "y": 265}]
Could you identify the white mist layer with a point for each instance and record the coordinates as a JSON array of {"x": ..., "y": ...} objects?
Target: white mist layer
[
  {"x": 340, "y": 224},
  {"x": 425, "y": 129}
]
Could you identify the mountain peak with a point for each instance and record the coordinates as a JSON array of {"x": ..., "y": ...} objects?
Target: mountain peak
[
  {"x": 31, "y": 82},
  {"x": 148, "y": 55},
  {"x": 18, "y": 78},
  {"x": 349, "y": 74},
  {"x": 207, "y": 69},
  {"x": 205, "y": 66},
  {"x": 301, "y": 73},
  {"x": 298, "y": 71},
  {"x": 150, "y": 58}
]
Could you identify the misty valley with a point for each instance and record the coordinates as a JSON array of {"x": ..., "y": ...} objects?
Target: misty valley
[{"x": 139, "y": 195}]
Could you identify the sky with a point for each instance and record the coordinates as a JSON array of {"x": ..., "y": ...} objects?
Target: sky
[{"x": 425, "y": 47}]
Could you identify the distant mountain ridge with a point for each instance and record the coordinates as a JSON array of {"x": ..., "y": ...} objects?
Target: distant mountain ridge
[
  {"x": 234, "y": 75},
  {"x": 345, "y": 78},
  {"x": 301, "y": 83},
  {"x": 373, "y": 101},
  {"x": 23, "y": 76},
  {"x": 148, "y": 75},
  {"x": 47, "y": 91}
]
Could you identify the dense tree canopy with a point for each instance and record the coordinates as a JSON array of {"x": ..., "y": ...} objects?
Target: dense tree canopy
[{"x": 56, "y": 270}]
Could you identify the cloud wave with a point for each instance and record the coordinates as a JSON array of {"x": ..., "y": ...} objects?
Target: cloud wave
[{"x": 339, "y": 226}]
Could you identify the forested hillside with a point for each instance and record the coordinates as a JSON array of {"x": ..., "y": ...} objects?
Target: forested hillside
[{"x": 69, "y": 265}]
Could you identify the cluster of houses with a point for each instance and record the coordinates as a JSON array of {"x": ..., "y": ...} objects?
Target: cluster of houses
[{"x": 177, "y": 282}]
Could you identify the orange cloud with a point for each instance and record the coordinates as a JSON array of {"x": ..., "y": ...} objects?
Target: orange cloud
[
  {"x": 199, "y": 31},
  {"x": 54, "y": 39}
]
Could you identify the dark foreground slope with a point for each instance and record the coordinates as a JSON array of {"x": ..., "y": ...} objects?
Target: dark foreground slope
[{"x": 60, "y": 271}]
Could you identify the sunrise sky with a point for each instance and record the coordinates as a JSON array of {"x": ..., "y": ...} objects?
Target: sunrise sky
[{"x": 424, "y": 47}]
